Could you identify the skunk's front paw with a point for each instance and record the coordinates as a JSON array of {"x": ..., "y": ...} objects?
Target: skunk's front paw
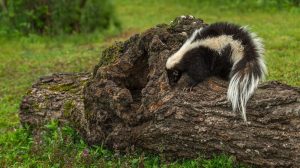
[{"x": 188, "y": 89}]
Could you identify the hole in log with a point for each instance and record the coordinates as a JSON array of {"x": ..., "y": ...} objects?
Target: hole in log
[{"x": 137, "y": 79}]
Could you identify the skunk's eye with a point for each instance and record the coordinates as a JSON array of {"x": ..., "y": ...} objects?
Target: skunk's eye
[{"x": 175, "y": 73}]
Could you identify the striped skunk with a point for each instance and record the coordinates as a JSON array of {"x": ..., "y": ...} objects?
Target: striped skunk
[{"x": 225, "y": 50}]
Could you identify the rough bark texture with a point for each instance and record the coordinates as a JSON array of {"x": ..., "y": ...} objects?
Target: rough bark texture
[{"x": 127, "y": 102}]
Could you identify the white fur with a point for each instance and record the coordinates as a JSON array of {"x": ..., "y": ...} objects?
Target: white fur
[
  {"x": 220, "y": 42},
  {"x": 259, "y": 46},
  {"x": 216, "y": 43},
  {"x": 263, "y": 67},
  {"x": 258, "y": 43},
  {"x": 238, "y": 93},
  {"x": 176, "y": 57}
]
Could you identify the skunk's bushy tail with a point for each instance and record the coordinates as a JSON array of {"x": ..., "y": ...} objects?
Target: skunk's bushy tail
[{"x": 245, "y": 76}]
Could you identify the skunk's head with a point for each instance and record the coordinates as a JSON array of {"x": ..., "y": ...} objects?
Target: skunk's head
[
  {"x": 174, "y": 67},
  {"x": 173, "y": 76}
]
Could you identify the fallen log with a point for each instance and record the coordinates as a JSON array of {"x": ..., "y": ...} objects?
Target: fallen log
[{"x": 128, "y": 103}]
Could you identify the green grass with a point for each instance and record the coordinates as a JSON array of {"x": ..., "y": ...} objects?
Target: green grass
[
  {"x": 24, "y": 59},
  {"x": 63, "y": 147}
]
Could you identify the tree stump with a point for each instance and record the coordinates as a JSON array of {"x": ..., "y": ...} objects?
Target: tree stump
[{"x": 127, "y": 103}]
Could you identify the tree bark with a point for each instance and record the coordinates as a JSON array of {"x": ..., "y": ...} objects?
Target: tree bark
[{"x": 128, "y": 103}]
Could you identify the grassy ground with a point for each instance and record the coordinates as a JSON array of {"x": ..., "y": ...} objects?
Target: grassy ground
[{"x": 24, "y": 59}]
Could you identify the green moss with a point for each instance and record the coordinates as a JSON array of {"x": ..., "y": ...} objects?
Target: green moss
[
  {"x": 62, "y": 88},
  {"x": 68, "y": 107},
  {"x": 36, "y": 107},
  {"x": 110, "y": 55}
]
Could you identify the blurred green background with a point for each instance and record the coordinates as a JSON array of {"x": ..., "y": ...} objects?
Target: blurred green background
[{"x": 40, "y": 37}]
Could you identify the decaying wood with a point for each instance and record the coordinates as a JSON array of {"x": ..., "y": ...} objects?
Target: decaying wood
[{"x": 128, "y": 102}]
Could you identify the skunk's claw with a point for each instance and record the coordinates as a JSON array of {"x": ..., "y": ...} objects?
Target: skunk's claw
[{"x": 188, "y": 89}]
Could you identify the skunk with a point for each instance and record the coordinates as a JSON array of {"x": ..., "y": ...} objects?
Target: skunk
[{"x": 225, "y": 50}]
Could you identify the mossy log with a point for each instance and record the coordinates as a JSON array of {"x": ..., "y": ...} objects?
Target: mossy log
[{"x": 128, "y": 103}]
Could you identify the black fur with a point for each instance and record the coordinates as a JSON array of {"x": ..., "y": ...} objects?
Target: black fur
[
  {"x": 173, "y": 76},
  {"x": 202, "y": 62}
]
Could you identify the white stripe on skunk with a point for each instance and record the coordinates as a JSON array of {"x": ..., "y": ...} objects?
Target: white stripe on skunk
[
  {"x": 215, "y": 43},
  {"x": 245, "y": 64}
]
